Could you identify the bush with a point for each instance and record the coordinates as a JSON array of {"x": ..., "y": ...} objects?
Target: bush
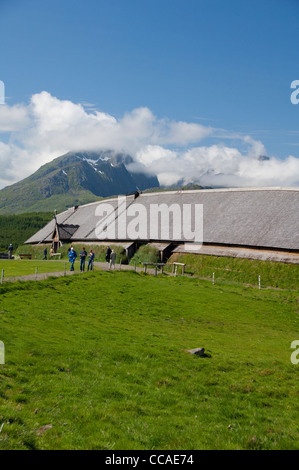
[
  {"x": 146, "y": 254},
  {"x": 37, "y": 251}
]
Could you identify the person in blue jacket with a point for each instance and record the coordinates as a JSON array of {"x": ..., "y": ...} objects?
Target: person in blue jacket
[
  {"x": 90, "y": 260},
  {"x": 82, "y": 254},
  {"x": 72, "y": 257}
]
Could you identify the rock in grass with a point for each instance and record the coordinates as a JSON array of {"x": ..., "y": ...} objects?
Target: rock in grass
[
  {"x": 197, "y": 351},
  {"x": 43, "y": 429}
]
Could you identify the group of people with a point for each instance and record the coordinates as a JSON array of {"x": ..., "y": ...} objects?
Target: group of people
[
  {"x": 83, "y": 255},
  {"x": 52, "y": 252},
  {"x": 110, "y": 258},
  {"x": 72, "y": 255}
]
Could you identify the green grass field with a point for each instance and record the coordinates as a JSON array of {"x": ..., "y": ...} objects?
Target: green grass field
[
  {"x": 99, "y": 362},
  {"x": 16, "y": 268}
]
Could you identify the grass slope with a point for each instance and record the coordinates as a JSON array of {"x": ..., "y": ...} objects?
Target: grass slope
[
  {"x": 240, "y": 270},
  {"x": 98, "y": 362},
  {"x": 29, "y": 200},
  {"x": 231, "y": 270}
]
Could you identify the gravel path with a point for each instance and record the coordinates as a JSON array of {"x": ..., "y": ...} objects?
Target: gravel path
[{"x": 97, "y": 265}]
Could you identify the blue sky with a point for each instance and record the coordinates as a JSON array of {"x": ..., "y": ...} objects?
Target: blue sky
[{"x": 226, "y": 65}]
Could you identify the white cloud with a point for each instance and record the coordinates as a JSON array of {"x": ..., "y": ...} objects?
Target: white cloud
[
  {"x": 13, "y": 118},
  {"x": 48, "y": 127},
  {"x": 219, "y": 165}
]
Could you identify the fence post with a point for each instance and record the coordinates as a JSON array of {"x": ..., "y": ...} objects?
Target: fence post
[
  {"x": 259, "y": 282},
  {"x": 36, "y": 273},
  {"x": 2, "y": 276},
  {"x": 213, "y": 278},
  {"x": 120, "y": 265},
  {"x": 65, "y": 269}
]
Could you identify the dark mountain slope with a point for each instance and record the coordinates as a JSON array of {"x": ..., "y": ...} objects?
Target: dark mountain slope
[{"x": 74, "y": 178}]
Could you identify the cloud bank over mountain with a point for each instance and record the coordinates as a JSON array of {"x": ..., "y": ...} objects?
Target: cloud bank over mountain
[{"x": 35, "y": 133}]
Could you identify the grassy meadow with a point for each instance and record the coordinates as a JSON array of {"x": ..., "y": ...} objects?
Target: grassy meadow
[
  {"x": 99, "y": 361},
  {"x": 16, "y": 268}
]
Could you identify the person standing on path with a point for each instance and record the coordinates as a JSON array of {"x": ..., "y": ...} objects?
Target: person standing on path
[
  {"x": 82, "y": 255},
  {"x": 112, "y": 259},
  {"x": 108, "y": 253},
  {"x": 72, "y": 258},
  {"x": 90, "y": 261},
  {"x": 10, "y": 250}
]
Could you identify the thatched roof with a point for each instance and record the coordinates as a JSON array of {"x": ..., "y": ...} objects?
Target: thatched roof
[{"x": 259, "y": 218}]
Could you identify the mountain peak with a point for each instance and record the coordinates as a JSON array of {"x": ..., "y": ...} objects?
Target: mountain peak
[{"x": 72, "y": 179}]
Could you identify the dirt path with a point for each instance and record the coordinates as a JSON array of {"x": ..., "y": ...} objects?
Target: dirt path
[
  {"x": 105, "y": 267},
  {"x": 97, "y": 266}
]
